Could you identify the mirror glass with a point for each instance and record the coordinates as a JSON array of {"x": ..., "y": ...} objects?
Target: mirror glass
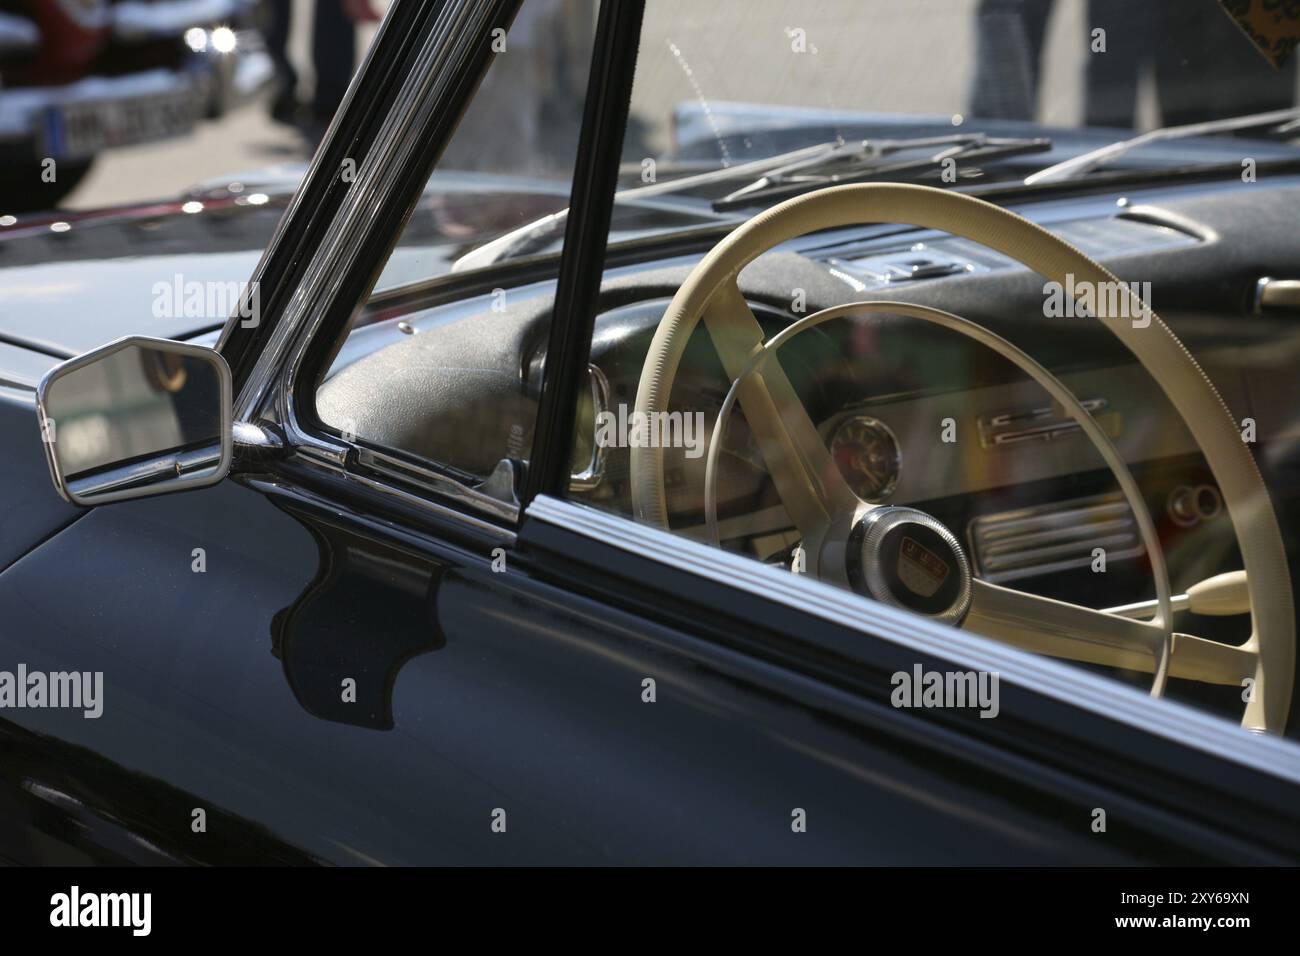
[{"x": 135, "y": 417}]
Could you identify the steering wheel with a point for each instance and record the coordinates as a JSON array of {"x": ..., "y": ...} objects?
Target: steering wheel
[{"x": 907, "y": 558}]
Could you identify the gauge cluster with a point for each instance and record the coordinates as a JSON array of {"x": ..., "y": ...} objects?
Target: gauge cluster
[{"x": 867, "y": 455}]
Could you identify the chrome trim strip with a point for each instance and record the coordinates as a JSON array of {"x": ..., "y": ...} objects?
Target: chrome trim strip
[
  {"x": 433, "y": 481},
  {"x": 424, "y": 504},
  {"x": 1054, "y": 536},
  {"x": 395, "y": 142},
  {"x": 268, "y": 392},
  {"x": 1070, "y": 685}
]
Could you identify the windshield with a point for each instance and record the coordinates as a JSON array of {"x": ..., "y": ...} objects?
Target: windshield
[
  {"x": 727, "y": 82},
  {"x": 738, "y": 104}
]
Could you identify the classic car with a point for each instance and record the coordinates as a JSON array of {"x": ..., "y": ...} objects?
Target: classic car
[
  {"x": 81, "y": 76},
  {"x": 758, "y": 475}
]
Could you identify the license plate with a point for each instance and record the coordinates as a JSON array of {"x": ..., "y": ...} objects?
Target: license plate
[{"x": 80, "y": 130}]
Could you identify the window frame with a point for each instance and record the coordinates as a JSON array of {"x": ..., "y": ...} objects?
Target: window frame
[
  {"x": 440, "y": 79},
  {"x": 400, "y": 111}
]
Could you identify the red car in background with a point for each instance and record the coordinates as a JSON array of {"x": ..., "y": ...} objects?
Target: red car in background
[{"x": 81, "y": 76}]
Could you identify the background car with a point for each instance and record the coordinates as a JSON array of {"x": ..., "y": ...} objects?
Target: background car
[{"x": 78, "y": 77}]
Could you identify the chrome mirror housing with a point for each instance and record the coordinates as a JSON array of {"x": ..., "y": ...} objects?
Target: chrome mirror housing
[{"x": 139, "y": 416}]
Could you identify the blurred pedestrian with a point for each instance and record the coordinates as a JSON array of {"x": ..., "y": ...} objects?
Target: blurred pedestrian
[
  {"x": 333, "y": 52},
  {"x": 1204, "y": 67},
  {"x": 284, "y": 107},
  {"x": 1009, "y": 38},
  {"x": 1201, "y": 65}
]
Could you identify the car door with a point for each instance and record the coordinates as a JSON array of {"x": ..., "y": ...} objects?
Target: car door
[{"x": 336, "y": 656}]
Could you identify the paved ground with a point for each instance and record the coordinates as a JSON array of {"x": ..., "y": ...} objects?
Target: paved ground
[
  {"x": 243, "y": 140},
  {"x": 884, "y": 55},
  {"x": 887, "y": 55}
]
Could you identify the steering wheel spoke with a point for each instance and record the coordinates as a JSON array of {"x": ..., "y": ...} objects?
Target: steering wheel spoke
[
  {"x": 806, "y": 476},
  {"x": 1196, "y": 658},
  {"x": 1060, "y": 629},
  {"x": 1069, "y": 631}
]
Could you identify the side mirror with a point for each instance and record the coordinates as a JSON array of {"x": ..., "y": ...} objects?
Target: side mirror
[{"x": 139, "y": 416}]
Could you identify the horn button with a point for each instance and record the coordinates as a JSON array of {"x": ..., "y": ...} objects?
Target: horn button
[{"x": 905, "y": 558}]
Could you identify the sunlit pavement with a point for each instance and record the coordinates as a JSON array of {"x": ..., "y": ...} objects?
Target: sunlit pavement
[
  {"x": 888, "y": 77},
  {"x": 243, "y": 140}
]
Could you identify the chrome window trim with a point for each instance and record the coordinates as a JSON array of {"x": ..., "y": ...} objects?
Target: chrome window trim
[
  {"x": 1060, "y": 681},
  {"x": 505, "y": 535},
  {"x": 457, "y": 20},
  {"x": 268, "y": 393}
]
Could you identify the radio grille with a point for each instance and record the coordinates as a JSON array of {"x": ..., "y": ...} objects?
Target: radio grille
[{"x": 1053, "y": 537}]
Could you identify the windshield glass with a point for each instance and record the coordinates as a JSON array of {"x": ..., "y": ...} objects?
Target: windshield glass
[
  {"x": 738, "y": 104},
  {"x": 897, "y": 409},
  {"x": 725, "y": 83}
]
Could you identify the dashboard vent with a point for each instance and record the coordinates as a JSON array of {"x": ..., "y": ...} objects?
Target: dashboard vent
[
  {"x": 1053, "y": 537},
  {"x": 877, "y": 263},
  {"x": 1120, "y": 235}
]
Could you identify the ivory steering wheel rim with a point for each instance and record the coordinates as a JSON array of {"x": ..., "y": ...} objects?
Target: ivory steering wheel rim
[{"x": 710, "y": 293}]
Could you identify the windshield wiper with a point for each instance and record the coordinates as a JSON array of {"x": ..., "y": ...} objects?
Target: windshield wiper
[
  {"x": 869, "y": 158},
  {"x": 539, "y": 233},
  {"x": 874, "y": 159},
  {"x": 1284, "y": 120}
]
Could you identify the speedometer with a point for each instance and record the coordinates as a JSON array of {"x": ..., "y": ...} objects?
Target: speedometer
[{"x": 867, "y": 454}]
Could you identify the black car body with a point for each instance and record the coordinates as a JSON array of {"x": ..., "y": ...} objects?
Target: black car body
[{"x": 499, "y": 643}]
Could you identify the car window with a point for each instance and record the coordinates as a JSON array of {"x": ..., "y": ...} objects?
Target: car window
[
  {"x": 457, "y": 384},
  {"x": 897, "y": 452}
]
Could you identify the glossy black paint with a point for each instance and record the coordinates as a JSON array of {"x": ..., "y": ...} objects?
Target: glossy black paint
[
  {"x": 30, "y": 509},
  {"x": 521, "y": 690},
  {"x": 1188, "y": 797},
  {"x": 475, "y": 691}
]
